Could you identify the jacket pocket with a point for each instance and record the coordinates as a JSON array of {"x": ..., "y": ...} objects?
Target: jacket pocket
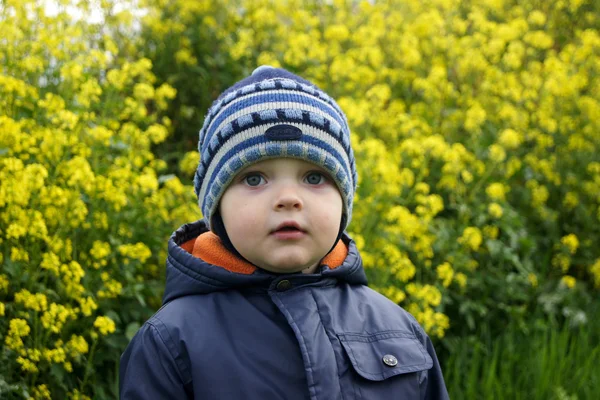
[{"x": 385, "y": 363}]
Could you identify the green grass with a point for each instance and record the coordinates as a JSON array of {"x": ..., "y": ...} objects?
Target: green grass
[{"x": 561, "y": 364}]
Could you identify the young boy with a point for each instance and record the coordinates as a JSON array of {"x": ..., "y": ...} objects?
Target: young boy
[{"x": 266, "y": 297}]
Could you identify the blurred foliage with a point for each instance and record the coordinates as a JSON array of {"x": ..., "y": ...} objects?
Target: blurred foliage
[
  {"x": 475, "y": 127},
  {"x": 84, "y": 213}
]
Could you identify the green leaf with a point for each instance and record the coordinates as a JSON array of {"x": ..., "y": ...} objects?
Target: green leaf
[{"x": 131, "y": 330}]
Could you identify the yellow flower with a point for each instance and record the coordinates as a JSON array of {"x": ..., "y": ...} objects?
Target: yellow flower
[
  {"x": 55, "y": 356},
  {"x": 27, "y": 365},
  {"x": 571, "y": 242},
  {"x": 100, "y": 250},
  {"x": 471, "y": 237},
  {"x": 393, "y": 293},
  {"x": 77, "y": 345},
  {"x": 445, "y": 273},
  {"x": 568, "y": 281},
  {"x": 17, "y": 254},
  {"x": 497, "y": 153},
  {"x": 496, "y": 191},
  {"x": 561, "y": 261},
  {"x": 571, "y": 200},
  {"x": 1, "y": 309},
  {"x": 538, "y": 39},
  {"x": 36, "y": 302},
  {"x": 18, "y": 329},
  {"x": 595, "y": 270},
  {"x": 41, "y": 392},
  {"x": 51, "y": 262},
  {"x": 461, "y": 279},
  {"x": 105, "y": 325},
  {"x": 533, "y": 280},
  {"x": 88, "y": 305},
  {"x": 76, "y": 395},
  {"x": 537, "y": 18},
  {"x": 56, "y": 317},
  {"x": 138, "y": 251},
  {"x": 510, "y": 139},
  {"x": 3, "y": 282},
  {"x": 495, "y": 210},
  {"x": 475, "y": 117},
  {"x": 113, "y": 289},
  {"x": 491, "y": 231}
]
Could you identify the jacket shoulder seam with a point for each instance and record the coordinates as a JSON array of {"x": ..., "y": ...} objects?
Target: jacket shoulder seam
[{"x": 162, "y": 330}]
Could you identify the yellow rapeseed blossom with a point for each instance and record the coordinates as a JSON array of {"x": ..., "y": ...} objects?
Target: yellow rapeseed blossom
[
  {"x": 595, "y": 271},
  {"x": 77, "y": 345},
  {"x": 51, "y": 262},
  {"x": 445, "y": 273},
  {"x": 18, "y": 328},
  {"x": 112, "y": 288},
  {"x": 561, "y": 261},
  {"x": 510, "y": 139},
  {"x": 496, "y": 191},
  {"x": 471, "y": 238},
  {"x": 4, "y": 283},
  {"x": 138, "y": 251},
  {"x": 105, "y": 325},
  {"x": 56, "y": 316},
  {"x": 100, "y": 250},
  {"x": 475, "y": 117},
  {"x": 571, "y": 242},
  {"x": 429, "y": 294},
  {"x": 27, "y": 365},
  {"x": 36, "y": 302},
  {"x": 2, "y": 309},
  {"x": 495, "y": 210},
  {"x": 568, "y": 281},
  {"x": 393, "y": 293},
  {"x": 77, "y": 395},
  {"x": 189, "y": 162},
  {"x": 533, "y": 280},
  {"x": 497, "y": 153},
  {"x": 87, "y": 305},
  {"x": 461, "y": 279},
  {"x": 41, "y": 392},
  {"x": 18, "y": 254},
  {"x": 571, "y": 200}
]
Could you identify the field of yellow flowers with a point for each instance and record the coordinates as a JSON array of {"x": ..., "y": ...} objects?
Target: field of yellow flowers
[{"x": 476, "y": 128}]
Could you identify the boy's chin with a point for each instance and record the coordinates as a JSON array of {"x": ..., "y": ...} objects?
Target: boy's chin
[{"x": 285, "y": 267}]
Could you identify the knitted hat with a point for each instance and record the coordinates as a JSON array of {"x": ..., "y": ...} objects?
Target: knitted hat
[{"x": 272, "y": 113}]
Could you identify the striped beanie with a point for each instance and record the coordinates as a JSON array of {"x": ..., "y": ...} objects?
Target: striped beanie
[{"x": 272, "y": 113}]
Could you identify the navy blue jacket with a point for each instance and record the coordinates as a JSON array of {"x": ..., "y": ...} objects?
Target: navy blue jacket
[{"x": 226, "y": 335}]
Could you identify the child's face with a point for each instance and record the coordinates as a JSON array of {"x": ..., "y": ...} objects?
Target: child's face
[{"x": 271, "y": 192}]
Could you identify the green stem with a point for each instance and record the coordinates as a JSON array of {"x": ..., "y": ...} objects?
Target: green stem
[{"x": 88, "y": 366}]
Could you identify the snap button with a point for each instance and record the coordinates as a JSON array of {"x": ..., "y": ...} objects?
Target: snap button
[
  {"x": 390, "y": 360},
  {"x": 284, "y": 285}
]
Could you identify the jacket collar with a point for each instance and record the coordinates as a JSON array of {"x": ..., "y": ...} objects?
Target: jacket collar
[{"x": 198, "y": 263}]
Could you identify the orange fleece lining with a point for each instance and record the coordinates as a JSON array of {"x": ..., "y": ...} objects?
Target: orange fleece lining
[{"x": 208, "y": 247}]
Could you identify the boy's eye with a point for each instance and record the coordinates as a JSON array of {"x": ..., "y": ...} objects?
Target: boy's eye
[
  {"x": 253, "y": 179},
  {"x": 315, "y": 178}
]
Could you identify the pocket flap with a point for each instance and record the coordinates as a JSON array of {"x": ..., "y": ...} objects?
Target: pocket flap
[{"x": 378, "y": 356}]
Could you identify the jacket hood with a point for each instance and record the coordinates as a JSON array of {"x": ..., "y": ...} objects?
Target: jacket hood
[{"x": 187, "y": 274}]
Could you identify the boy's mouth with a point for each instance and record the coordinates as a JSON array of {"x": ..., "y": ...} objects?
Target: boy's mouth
[{"x": 288, "y": 226}]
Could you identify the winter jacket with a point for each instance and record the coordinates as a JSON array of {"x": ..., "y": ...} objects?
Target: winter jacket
[{"x": 229, "y": 330}]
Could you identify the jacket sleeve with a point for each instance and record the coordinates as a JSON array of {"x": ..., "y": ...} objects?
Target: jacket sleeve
[
  {"x": 149, "y": 369},
  {"x": 431, "y": 381},
  {"x": 433, "y": 386}
]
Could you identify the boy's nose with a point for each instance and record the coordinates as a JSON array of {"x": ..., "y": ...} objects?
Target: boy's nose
[{"x": 288, "y": 198}]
